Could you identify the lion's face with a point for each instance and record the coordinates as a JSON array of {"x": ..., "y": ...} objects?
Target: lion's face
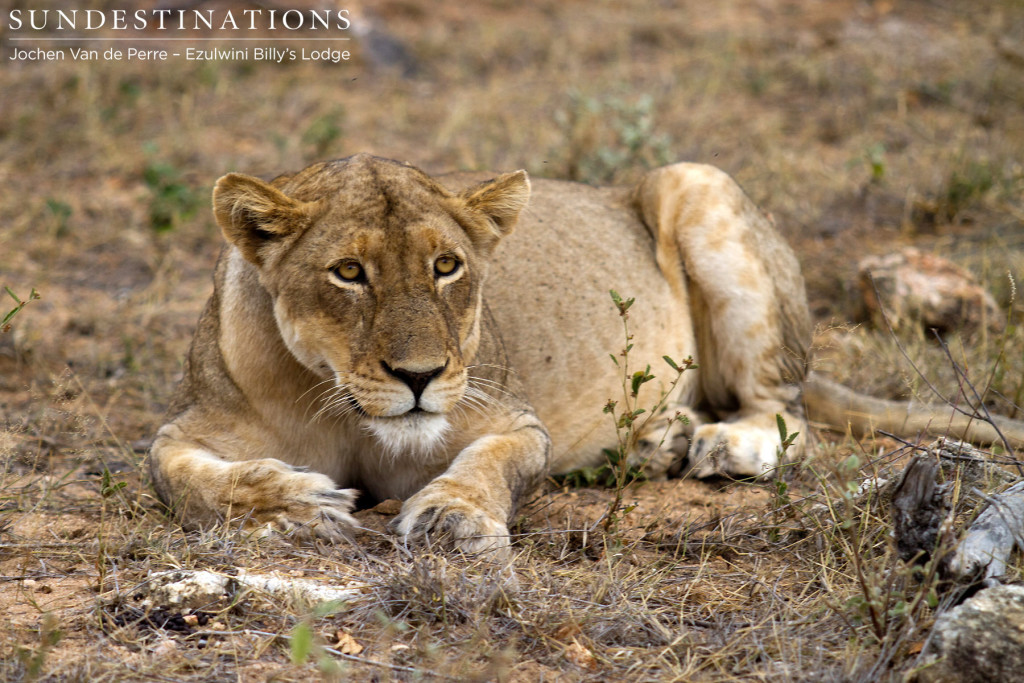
[{"x": 375, "y": 272}]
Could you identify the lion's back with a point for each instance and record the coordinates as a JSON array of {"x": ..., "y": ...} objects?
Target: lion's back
[{"x": 549, "y": 292}]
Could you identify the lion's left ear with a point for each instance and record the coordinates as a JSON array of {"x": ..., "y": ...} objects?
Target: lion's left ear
[{"x": 501, "y": 200}]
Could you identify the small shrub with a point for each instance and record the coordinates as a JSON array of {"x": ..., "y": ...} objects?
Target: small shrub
[
  {"x": 604, "y": 136},
  {"x": 5, "y": 323},
  {"x": 172, "y": 200}
]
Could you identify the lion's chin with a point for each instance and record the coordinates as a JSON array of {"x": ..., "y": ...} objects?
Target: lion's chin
[{"x": 414, "y": 433}]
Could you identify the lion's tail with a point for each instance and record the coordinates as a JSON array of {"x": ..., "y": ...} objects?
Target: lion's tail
[{"x": 841, "y": 408}]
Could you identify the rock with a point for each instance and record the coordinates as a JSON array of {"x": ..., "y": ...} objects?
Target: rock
[
  {"x": 185, "y": 589},
  {"x": 927, "y": 290},
  {"x": 198, "y": 589},
  {"x": 980, "y": 641}
]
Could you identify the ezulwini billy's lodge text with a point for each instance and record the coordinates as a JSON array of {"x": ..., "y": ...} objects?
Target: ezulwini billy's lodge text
[{"x": 259, "y": 54}]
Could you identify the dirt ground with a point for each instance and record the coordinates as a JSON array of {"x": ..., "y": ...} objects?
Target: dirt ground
[{"x": 860, "y": 127}]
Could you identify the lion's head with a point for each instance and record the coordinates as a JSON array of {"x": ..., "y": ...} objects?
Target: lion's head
[{"x": 375, "y": 273}]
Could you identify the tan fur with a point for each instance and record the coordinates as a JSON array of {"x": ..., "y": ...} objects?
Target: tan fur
[{"x": 459, "y": 391}]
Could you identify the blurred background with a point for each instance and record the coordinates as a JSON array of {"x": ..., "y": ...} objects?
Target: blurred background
[{"x": 860, "y": 127}]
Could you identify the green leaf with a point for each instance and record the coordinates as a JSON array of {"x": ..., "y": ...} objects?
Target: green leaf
[
  {"x": 302, "y": 643},
  {"x": 638, "y": 379},
  {"x": 327, "y": 609},
  {"x": 783, "y": 432},
  {"x": 622, "y": 305},
  {"x": 108, "y": 491},
  {"x": 672, "y": 364},
  {"x": 641, "y": 377}
]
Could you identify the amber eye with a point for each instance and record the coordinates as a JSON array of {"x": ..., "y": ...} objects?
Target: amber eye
[
  {"x": 446, "y": 265},
  {"x": 349, "y": 271}
]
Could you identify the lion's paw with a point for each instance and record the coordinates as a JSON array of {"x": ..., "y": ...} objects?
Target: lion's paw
[
  {"x": 745, "y": 448},
  {"x": 443, "y": 512},
  {"x": 274, "y": 496}
]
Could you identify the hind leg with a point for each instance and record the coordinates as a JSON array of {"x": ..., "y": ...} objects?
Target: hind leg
[{"x": 749, "y": 310}]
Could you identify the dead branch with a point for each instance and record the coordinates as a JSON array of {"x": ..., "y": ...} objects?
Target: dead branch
[
  {"x": 920, "y": 510},
  {"x": 987, "y": 545}
]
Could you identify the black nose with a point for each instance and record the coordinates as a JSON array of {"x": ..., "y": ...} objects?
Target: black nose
[{"x": 416, "y": 381}]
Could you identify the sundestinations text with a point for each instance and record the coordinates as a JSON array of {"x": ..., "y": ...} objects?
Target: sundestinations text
[{"x": 177, "y": 19}]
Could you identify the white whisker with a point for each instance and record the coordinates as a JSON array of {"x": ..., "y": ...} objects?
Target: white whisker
[
  {"x": 481, "y": 383},
  {"x": 503, "y": 368},
  {"x": 329, "y": 380}
]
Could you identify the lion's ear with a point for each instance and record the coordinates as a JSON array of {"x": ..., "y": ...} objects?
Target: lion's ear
[
  {"x": 500, "y": 200},
  {"x": 254, "y": 215}
]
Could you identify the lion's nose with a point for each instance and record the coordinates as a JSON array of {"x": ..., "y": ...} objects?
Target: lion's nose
[{"x": 416, "y": 381}]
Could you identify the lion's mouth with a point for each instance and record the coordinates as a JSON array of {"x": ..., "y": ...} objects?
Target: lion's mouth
[{"x": 412, "y": 432}]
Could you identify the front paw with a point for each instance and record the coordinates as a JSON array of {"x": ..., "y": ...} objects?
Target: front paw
[
  {"x": 454, "y": 514},
  {"x": 745, "y": 448},
  {"x": 274, "y": 496}
]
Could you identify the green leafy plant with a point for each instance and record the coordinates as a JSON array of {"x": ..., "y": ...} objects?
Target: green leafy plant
[
  {"x": 875, "y": 158},
  {"x": 606, "y": 135},
  {"x": 324, "y": 131},
  {"x": 108, "y": 489},
  {"x": 61, "y": 212},
  {"x": 303, "y": 643},
  {"x": 5, "y": 323},
  {"x": 34, "y": 659},
  {"x": 632, "y": 420},
  {"x": 171, "y": 198}
]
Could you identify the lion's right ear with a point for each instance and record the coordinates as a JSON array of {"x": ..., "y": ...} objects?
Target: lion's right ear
[{"x": 255, "y": 216}]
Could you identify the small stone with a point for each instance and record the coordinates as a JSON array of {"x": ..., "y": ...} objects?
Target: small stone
[
  {"x": 912, "y": 287},
  {"x": 580, "y": 655},
  {"x": 346, "y": 644},
  {"x": 387, "y": 507},
  {"x": 165, "y": 647},
  {"x": 981, "y": 640}
]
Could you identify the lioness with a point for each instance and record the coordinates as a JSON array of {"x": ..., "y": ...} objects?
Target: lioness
[{"x": 372, "y": 327}]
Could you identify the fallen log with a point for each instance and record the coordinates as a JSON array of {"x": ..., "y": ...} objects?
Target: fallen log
[
  {"x": 985, "y": 548},
  {"x": 921, "y": 511},
  {"x": 923, "y": 517}
]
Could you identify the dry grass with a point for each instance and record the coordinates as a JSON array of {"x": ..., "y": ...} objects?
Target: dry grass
[{"x": 859, "y": 126}]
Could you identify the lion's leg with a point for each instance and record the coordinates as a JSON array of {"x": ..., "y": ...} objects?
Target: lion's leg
[
  {"x": 266, "y": 494},
  {"x": 471, "y": 504},
  {"x": 749, "y": 311}
]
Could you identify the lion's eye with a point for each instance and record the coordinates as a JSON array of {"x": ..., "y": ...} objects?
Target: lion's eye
[
  {"x": 446, "y": 265},
  {"x": 349, "y": 271}
]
